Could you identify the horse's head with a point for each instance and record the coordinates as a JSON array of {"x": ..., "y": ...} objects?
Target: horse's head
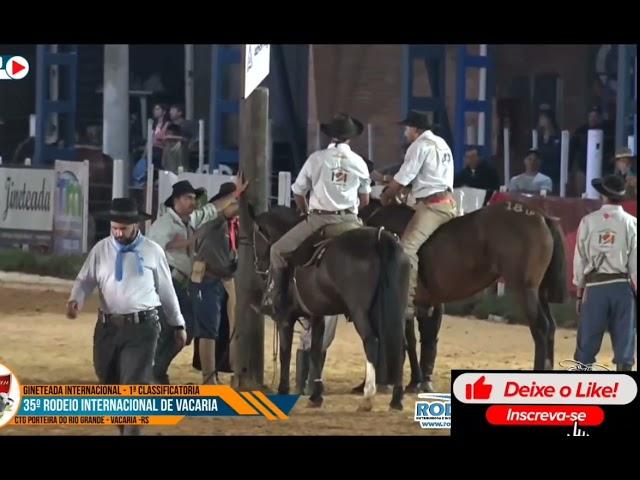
[{"x": 268, "y": 227}]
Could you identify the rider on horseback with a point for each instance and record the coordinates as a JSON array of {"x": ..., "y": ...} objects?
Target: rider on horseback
[
  {"x": 428, "y": 167},
  {"x": 338, "y": 181}
]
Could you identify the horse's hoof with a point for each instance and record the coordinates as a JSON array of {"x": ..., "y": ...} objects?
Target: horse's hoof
[
  {"x": 427, "y": 387},
  {"x": 411, "y": 388},
  {"x": 366, "y": 405},
  {"x": 359, "y": 390},
  {"x": 315, "y": 403},
  {"x": 395, "y": 407}
]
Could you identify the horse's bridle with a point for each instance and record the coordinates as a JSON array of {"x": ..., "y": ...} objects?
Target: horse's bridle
[{"x": 256, "y": 228}]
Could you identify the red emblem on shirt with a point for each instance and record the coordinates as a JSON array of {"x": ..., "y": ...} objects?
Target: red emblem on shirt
[{"x": 606, "y": 216}]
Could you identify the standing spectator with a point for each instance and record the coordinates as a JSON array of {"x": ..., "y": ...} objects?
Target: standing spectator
[
  {"x": 189, "y": 128},
  {"x": 174, "y": 153},
  {"x": 160, "y": 124},
  {"x": 623, "y": 161},
  {"x": 578, "y": 147},
  {"x": 549, "y": 144}
]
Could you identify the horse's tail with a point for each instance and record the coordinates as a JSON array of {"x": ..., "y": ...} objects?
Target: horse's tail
[
  {"x": 388, "y": 308},
  {"x": 554, "y": 282}
]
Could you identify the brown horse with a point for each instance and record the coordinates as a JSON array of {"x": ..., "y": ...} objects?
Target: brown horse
[
  {"x": 467, "y": 254},
  {"x": 363, "y": 274}
]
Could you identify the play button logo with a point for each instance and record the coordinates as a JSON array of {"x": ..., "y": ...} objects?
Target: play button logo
[{"x": 16, "y": 68}]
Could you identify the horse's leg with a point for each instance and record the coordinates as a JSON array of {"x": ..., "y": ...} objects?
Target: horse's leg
[
  {"x": 285, "y": 333},
  {"x": 315, "y": 372},
  {"x": 530, "y": 305},
  {"x": 371, "y": 344},
  {"x": 429, "y": 326},
  {"x": 410, "y": 345},
  {"x": 551, "y": 331}
]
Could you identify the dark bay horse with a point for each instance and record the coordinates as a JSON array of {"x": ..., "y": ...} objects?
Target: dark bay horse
[
  {"x": 467, "y": 254},
  {"x": 363, "y": 274}
]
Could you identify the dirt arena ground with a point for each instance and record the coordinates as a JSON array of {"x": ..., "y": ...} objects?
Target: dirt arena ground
[{"x": 41, "y": 346}]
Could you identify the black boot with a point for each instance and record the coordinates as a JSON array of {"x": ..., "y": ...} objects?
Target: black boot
[
  {"x": 624, "y": 367},
  {"x": 428, "y": 354},
  {"x": 303, "y": 362},
  {"x": 272, "y": 300}
]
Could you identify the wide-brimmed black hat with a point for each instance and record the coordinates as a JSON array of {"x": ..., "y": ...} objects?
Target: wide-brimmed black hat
[
  {"x": 611, "y": 186},
  {"x": 180, "y": 188},
  {"x": 124, "y": 210},
  {"x": 225, "y": 189},
  {"x": 417, "y": 120},
  {"x": 342, "y": 126}
]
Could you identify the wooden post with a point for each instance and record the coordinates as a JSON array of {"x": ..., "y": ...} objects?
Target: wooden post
[{"x": 247, "y": 347}]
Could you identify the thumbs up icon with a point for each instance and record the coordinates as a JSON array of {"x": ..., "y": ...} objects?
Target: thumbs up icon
[{"x": 478, "y": 390}]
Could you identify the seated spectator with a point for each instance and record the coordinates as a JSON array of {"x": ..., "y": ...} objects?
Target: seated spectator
[
  {"x": 477, "y": 173},
  {"x": 549, "y": 144},
  {"x": 623, "y": 161},
  {"x": 531, "y": 181}
]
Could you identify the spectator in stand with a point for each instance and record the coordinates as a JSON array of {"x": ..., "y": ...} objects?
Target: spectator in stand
[
  {"x": 477, "y": 173},
  {"x": 623, "y": 161},
  {"x": 549, "y": 144},
  {"x": 189, "y": 128},
  {"x": 578, "y": 148},
  {"x": 531, "y": 181},
  {"x": 174, "y": 153},
  {"x": 160, "y": 124}
]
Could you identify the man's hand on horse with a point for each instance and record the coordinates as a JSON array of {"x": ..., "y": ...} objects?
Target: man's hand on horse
[{"x": 72, "y": 310}]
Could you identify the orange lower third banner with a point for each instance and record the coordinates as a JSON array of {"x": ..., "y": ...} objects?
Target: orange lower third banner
[{"x": 142, "y": 404}]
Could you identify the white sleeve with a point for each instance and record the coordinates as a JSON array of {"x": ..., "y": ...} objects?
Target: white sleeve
[
  {"x": 86, "y": 280},
  {"x": 632, "y": 263},
  {"x": 203, "y": 215},
  {"x": 413, "y": 161},
  {"x": 365, "y": 178},
  {"x": 580, "y": 254},
  {"x": 166, "y": 292},
  {"x": 303, "y": 182}
]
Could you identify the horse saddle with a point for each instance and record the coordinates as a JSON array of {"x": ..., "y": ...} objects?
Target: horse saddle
[{"x": 311, "y": 251}]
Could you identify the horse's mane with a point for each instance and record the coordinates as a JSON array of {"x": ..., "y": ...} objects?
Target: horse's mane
[{"x": 278, "y": 219}]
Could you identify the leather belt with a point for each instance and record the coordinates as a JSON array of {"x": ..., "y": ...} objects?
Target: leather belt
[
  {"x": 595, "y": 277},
  {"x": 134, "y": 318},
  {"x": 331, "y": 212},
  {"x": 436, "y": 197}
]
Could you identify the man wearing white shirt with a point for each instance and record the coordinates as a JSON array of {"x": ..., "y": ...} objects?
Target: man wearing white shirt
[
  {"x": 605, "y": 269},
  {"x": 337, "y": 181},
  {"x": 428, "y": 168},
  {"x": 531, "y": 181},
  {"x": 175, "y": 233},
  {"x": 133, "y": 280}
]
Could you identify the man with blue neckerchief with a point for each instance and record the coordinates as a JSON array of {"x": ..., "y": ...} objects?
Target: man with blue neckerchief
[{"x": 134, "y": 280}]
